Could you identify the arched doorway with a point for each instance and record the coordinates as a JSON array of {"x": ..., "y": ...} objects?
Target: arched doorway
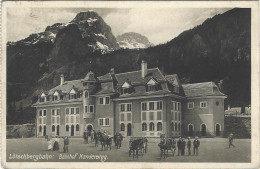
[
  {"x": 203, "y": 130},
  {"x": 72, "y": 130},
  {"x": 129, "y": 129},
  {"x": 89, "y": 127},
  {"x": 217, "y": 129},
  {"x": 190, "y": 130},
  {"x": 44, "y": 130}
]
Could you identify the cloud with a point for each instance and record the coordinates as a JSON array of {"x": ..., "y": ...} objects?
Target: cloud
[{"x": 157, "y": 24}]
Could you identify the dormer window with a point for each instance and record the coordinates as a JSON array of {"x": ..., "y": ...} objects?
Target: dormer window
[
  {"x": 56, "y": 96},
  {"x": 126, "y": 88},
  {"x": 43, "y": 98},
  {"x": 152, "y": 85},
  {"x": 72, "y": 94}
]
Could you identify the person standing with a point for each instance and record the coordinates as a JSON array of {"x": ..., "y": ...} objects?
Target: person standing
[
  {"x": 196, "y": 144},
  {"x": 49, "y": 141},
  {"x": 92, "y": 136},
  {"x": 173, "y": 146},
  {"x": 179, "y": 145},
  {"x": 230, "y": 140},
  {"x": 183, "y": 142},
  {"x": 56, "y": 144},
  {"x": 189, "y": 145},
  {"x": 85, "y": 136},
  {"x": 66, "y": 144}
]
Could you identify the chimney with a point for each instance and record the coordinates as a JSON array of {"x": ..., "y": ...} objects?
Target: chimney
[
  {"x": 61, "y": 79},
  {"x": 144, "y": 68},
  {"x": 112, "y": 71}
]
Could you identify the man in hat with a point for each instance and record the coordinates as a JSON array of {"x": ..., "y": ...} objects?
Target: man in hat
[
  {"x": 179, "y": 145},
  {"x": 230, "y": 139},
  {"x": 196, "y": 144},
  {"x": 189, "y": 145}
]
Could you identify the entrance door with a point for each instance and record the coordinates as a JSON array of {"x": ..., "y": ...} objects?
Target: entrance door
[
  {"x": 217, "y": 130},
  {"x": 44, "y": 131},
  {"x": 190, "y": 130},
  {"x": 72, "y": 130},
  {"x": 129, "y": 129},
  {"x": 89, "y": 128},
  {"x": 203, "y": 130}
]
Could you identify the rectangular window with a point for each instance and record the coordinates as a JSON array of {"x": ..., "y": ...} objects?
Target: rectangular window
[
  {"x": 129, "y": 107},
  {"x": 53, "y": 120},
  {"x": 40, "y": 113},
  {"x": 159, "y": 115},
  {"x": 128, "y": 116},
  {"x": 72, "y": 111},
  {"x": 151, "y": 105},
  {"x": 151, "y": 117},
  {"x": 91, "y": 108},
  {"x": 122, "y": 116},
  {"x": 44, "y": 120},
  {"x": 67, "y": 119},
  {"x": 107, "y": 121},
  {"x": 101, "y": 100},
  {"x": 53, "y": 112},
  {"x": 67, "y": 111},
  {"x": 101, "y": 122},
  {"x": 122, "y": 107},
  {"x": 203, "y": 104},
  {"x": 190, "y": 105},
  {"x": 86, "y": 109},
  {"x": 71, "y": 119},
  {"x": 58, "y": 119},
  {"x": 44, "y": 112},
  {"x": 159, "y": 105},
  {"x": 144, "y": 106},
  {"x": 77, "y": 119},
  {"x": 175, "y": 118},
  {"x": 143, "y": 115},
  {"x": 107, "y": 100},
  {"x": 86, "y": 94},
  {"x": 77, "y": 110},
  {"x": 58, "y": 111}
]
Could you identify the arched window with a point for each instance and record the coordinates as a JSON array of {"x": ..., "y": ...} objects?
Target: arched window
[
  {"x": 144, "y": 127},
  {"x": 86, "y": 94},
  {"x": 151, "y": 127},
  {"x": 176, "y": 129},
  {"x": 67, "y": 127},
  {"x": 77, "y": 127},
  {"x": 58, "y": 130},
  {"x": 172, "y": 126},
  {"x": 179, "y": 127},
  {"x": 40, "y": 128},
  {"x": 53, "y": 128},
  {"x": 122, "y": 127},
  {"x": 203, "y": 129},
  {"x": 159, "y": 126}
]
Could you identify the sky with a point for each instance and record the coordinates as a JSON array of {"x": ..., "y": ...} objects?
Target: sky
[{"x": 159, "y": 25}]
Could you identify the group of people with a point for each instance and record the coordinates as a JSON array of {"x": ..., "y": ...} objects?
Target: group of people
[
  {"x": 181, "y": 145},
  {"x": 89, "y": 134},
  {"x": 54, "y": 143}
]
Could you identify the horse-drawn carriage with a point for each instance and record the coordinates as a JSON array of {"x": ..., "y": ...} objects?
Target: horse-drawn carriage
[
  {"x": 165, "y": 145},
  {"x": 137, "y": 146}
]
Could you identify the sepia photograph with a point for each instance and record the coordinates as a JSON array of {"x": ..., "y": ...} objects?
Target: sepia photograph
[{"x": 137, "y": 82}]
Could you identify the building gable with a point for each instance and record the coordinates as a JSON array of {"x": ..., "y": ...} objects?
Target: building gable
[{"x": 152, "y": 82}]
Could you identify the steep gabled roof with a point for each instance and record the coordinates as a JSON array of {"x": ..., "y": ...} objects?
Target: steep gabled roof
[
  {"x": 67, "y": 86},
  {"x": 135, "y": 77},
  {"x": 173, "y": 79},
  {"x": 201, "y": 89}
]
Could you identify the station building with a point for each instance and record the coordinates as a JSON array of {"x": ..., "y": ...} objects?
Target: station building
[{"x": 139, "y": 103}]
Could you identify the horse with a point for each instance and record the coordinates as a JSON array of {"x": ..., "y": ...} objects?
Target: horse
[
  {"x": 118, "y": 138},
  {"x": 136, "y": 146},
  {"x": 105, "y": 141},
  {"x": 166, "y": 145}
]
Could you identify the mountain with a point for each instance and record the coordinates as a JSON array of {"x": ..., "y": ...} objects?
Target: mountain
[
  {"x": 132, "y": 40},
  {"x": 218, "y": 50}
]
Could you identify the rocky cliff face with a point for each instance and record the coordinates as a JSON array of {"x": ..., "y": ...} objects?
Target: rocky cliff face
[{"x": 132, "y": 40}]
